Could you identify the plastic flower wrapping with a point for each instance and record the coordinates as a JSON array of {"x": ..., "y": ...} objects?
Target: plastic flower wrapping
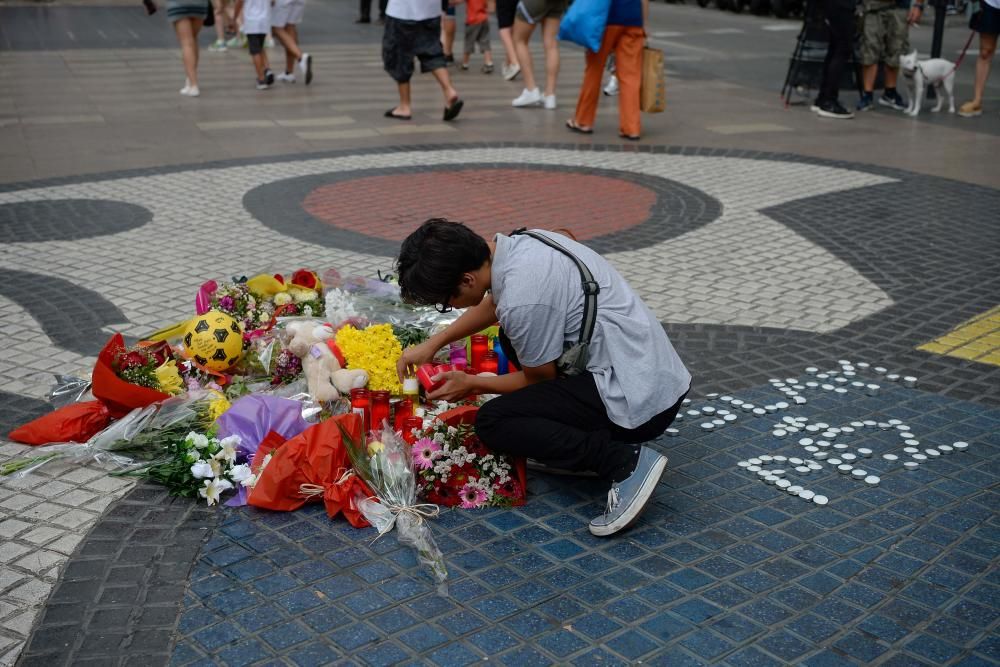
[{"x": 385, "y": 464}]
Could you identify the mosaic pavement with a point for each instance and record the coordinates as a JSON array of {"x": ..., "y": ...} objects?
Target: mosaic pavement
[{"x": 759, "y": 265}]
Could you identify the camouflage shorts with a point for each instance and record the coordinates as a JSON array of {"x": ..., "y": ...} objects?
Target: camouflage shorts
[{"x": 884, "y": 35}]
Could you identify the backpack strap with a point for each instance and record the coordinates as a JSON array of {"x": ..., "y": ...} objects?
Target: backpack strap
[{"x": 590, "y": 287}]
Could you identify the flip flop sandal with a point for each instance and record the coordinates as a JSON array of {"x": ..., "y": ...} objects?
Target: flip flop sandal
[
  {"x": 573, "y": 127},
  {"x": 391, "y": 114},
  {"x": 452, "y": 110}
]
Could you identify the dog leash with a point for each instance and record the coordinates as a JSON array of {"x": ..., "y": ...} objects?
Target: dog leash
[{"x": 958, "y": 62}]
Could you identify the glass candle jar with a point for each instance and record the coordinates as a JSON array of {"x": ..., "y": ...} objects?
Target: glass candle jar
[
  {"x": 424, "y": 375},
  {"x": 379, "y": 409},
  {"x": 501, "y": 357},
  {"x": 404, "y": 409},
  {"x": 361, "y": 406},
  {"x": 409, "y": 424},
  {"x": 411, "y": 388},
  {"x": 456, "y": 354},
  {"x": 479, "y": 346},
  {"x": 489, "y": 363}
]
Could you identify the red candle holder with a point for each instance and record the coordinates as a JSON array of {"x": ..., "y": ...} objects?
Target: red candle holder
[
  {"x": 361, "y": 405},
  {"x": 479, "y": 346},
  {"x": 425, "y": 373},
  {"x": 379, "y": 409},
  {"x": 409, "y": 424},
  {"x": 489, "y": 364},
  {"x": 404, "y": 409}
]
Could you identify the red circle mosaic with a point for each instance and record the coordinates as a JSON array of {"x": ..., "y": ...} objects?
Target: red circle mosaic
[{"x": 489, "y": 200}]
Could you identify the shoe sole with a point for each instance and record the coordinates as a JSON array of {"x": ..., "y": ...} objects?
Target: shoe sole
[
  {"x": 972, "y": 114},
  {"x": 835, "y": 116},
  {"x": 309, "y": 71},
  {"x": 632, "y": 512},
  {"x": 887, "y": 105},
  {"x": 512, "y": 76}
]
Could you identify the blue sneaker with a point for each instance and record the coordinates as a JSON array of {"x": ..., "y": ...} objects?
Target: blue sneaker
[
  {"x": 866, "y": 103},
  {"x": 629, "y": 497}
]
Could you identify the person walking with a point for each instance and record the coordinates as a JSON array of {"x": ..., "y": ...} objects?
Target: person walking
[
  {"x": 840, "y": 29},
  {"x": 586, "y": 412},
  {"x": 223, "y": 20},
  {"x": 529, "y": 14},
  {"x": 188, "y": 16},
  {"x": 257, "y": 26},
  {"x": 506, "y": 10},
  {"x": 625, "y": 35},
  {"x": 477, "y": 31},
  {"x": 448, "y": 27},
  {"x": 285, "y": 18},
  {"x": 987, "y": 23},
  {"x": 413, "y": 30}
]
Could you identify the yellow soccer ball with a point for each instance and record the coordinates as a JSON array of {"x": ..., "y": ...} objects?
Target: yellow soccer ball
[{"x": 214, "y": 340}]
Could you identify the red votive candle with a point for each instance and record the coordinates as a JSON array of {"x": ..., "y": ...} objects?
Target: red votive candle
[
  {"x": 380, "y": 408},
  {"x": 404, "y": 409},
  {"x": 479, "y": 347},
  {"x": 425, "y": 373},
  {"x": 409, "y": 424},
  {"x": 361, "y": 406},
  {"x": 489, "y": 364}
]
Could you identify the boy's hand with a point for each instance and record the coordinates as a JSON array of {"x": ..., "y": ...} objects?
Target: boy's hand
[
  {"x": 457, "y": 385},
  {"x": 413, "y": 357}
]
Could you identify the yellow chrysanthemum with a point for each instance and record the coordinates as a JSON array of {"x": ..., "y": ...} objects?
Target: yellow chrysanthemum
[
  {"x": 218, "y": 406},
  {"x": 169, "y": 378},
  {"x": 376, "y": 350}
]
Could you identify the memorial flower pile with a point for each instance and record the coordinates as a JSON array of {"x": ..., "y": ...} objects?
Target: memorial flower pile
[{"x": 454, "y": 468}]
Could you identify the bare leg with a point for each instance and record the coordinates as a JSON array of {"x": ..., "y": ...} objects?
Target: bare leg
[
  {"x": 187, "y": 37},
  {"x": 891, "y": 76},
  {"x": 404, "y": 100},
  {"x": 868, "y": 75},
  {"x": 550, "y": 30},
  {"x": 219, "y": 9},
  {"x": 259, "y": 64},
  {"x": 522, "y": 33},
  {"x": 444, "y": 80},
  {"x": 508, "y": 46},
  {"x": 286, "y": 36},
  {"x": 488, "y": 57},
  {"x": 448, "y": 34},
  {"x": 987, "y": 47}
]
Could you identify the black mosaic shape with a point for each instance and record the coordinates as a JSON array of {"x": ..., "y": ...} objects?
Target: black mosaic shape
[
  {"x": 71, "y": 316},
  {"x": 678, "y": 210},
  {"x": 16, "y": 410},
  {"x": 68, "y": 219}
]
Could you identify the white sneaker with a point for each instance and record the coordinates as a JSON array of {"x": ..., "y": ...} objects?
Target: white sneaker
[
  {"x": 549, "y": 101},
  {"x": 190, "y": 91},
  {"x": 510, "y": 72},
  {"x": 287, "y": 78},
  {"x": 218, "y": 46},
  {"x": 612, "y": 88},
  {"x": 269, "y": 42},
  {"x": 528, "y": 98},
  {"x": 263, "y": 85},
  {"x": 306, "y": 65}
]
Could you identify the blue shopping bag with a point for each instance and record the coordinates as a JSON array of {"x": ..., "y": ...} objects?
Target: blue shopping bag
[{"x": 584, "y": 23}]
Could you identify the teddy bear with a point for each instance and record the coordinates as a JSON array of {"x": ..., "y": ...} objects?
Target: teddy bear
[{"x": 322, "y": 364}]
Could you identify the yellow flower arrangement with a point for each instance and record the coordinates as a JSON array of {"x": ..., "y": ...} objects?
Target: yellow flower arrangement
[
  {"x": 169, "y": 378},
  {"x": 375, "y": 350}
]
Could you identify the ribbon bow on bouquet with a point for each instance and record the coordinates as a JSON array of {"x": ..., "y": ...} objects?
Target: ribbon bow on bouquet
[{"x": 386, "y": 466}]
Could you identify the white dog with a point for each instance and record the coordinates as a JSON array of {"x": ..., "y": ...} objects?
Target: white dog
[{"x": 937, "y": 72}]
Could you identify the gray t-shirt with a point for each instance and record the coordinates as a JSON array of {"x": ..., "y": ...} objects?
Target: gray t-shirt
[{"x": 539, "y": 301}]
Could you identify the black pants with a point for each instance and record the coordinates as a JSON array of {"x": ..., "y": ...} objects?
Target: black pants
[
  {"x": 840, "y": 25},
  {"x": 564, "y": 424},
  {"x": 366, "y": 9}
]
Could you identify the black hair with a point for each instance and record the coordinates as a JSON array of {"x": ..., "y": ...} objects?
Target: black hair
[{"x": 433, "y": 258}]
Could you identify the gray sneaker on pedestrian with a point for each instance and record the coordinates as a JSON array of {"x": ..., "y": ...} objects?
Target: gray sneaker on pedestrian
[{"x": 628, "y": 498}]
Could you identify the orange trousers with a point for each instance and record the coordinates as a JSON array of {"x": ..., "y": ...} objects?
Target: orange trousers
[{"x": 626, "y": 42}]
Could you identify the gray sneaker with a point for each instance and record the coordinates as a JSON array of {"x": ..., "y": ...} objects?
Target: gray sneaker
[{"x": 628, "y": 498}]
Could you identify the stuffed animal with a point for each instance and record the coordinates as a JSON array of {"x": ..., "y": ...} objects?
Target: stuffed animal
[{"x": 312, "y": 342}]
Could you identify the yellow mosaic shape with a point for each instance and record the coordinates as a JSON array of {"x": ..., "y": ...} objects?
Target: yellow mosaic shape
[{"x": 976, "y": 339}]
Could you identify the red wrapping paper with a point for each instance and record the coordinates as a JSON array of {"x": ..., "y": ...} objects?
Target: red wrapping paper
[
  {"x": 76, "y": 422},
  {"x": 317, "y": 456},
  {"x": 517, "y": 491},
  {"x": 119, "y": 396}
]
